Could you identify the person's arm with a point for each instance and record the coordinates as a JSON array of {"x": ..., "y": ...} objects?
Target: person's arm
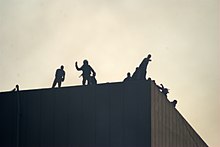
[
  {"x": 93, "y": 72},
  {"x": 159, "y": 87},
  {"x": 76, "y": 65},
  {"x": 63, "y": 76},
  {"x": 56, "y": 73}
]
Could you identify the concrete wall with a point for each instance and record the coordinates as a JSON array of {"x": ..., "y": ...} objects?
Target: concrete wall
[
  {"x": 105, "y": 115},
  {"x": 169, "y": 128}
]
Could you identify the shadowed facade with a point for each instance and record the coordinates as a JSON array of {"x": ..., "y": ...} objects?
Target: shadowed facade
[{"x": 132, "y": 114}]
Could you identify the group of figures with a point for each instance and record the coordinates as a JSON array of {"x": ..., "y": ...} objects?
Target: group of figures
[
  {"x": 140, "y": 72},
  {"x": 86, "y": 74}
]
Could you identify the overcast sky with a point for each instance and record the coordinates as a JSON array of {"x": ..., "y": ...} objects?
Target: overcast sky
[{"x": 37, "y": 36}]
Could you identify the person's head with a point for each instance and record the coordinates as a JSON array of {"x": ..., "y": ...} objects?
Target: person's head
[
  {"x": 149, "y": 56},
  {"x": 128, "y": 74},
  {"x": 62, "y": 67},
  {"x": 85, "y": 62},
  {"x": 17, "y": 86},
  {"x": 165, "y": 91},
  {"x": 175, "y": 102}
]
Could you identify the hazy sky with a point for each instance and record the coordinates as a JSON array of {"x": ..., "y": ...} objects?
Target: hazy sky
[{"x": 37, "y": 36}]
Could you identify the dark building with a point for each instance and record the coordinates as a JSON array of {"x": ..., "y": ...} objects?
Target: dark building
[{"x": 132, "y": 114}]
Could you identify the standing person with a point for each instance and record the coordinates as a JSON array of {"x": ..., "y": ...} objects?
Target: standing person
[
  {"x": 143, "y": 67},
  {"x": 128, "y": 78},
  {"x": 86, "y": 69},
  {"x": 59, "y": 77}
]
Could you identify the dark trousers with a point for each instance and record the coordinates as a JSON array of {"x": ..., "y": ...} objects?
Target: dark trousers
[{"x": 57, "y": 81}]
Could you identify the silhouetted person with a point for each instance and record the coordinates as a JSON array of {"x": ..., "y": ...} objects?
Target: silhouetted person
[
  {"x": 16, "y": 88},
  {"x": 136, "y": 74},
  {"x": 86, "y": 69},
  {"x": 143, "y": 68},
  {"x": 164, "y": 90},
  {"x": 93, "y": 80},
  {"x": 59, "y": 77},
  {"x": 128, "y": 78},
  {"x": 174, "y": 102}
]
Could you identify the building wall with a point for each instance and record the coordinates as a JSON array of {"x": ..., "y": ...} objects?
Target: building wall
[
  {"x": 8, "y": 119},
  {"x": 169, "y": 128},
  {"x": 105, "y": 115},
  {"x": 134, "y": 114}
]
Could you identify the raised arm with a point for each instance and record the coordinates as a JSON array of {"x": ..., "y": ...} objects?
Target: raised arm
[{"x": 76, "y": 65}]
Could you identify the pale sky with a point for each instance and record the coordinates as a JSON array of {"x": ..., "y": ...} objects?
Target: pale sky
[{"x": 37, "y": 36}]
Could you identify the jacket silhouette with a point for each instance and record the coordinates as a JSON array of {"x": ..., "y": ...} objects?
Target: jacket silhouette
[
  {"x": 59, "y": 77},
  {"x": 86, "y": 72}
]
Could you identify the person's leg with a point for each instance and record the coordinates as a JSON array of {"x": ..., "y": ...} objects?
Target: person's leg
[
  {"x": 54, "y": 83},
  {"x": 89, "y": 81},
  {"x": 94, "y": 81},
  {"x": 84, "y": 81},
  {"x": 59, "y": 84}
]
